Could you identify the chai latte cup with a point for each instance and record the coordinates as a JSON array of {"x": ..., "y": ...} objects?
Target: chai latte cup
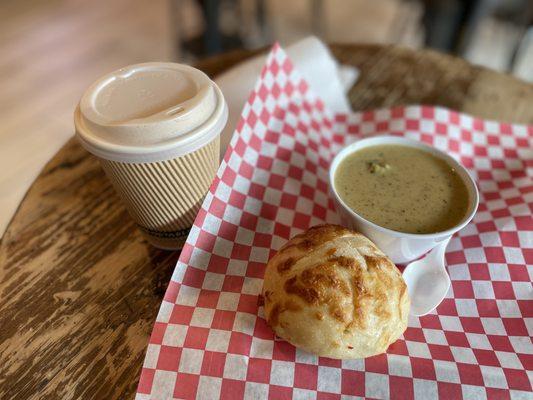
[
  {"x": 404, "y": 195},
  {"x": 155, "y": 128}
]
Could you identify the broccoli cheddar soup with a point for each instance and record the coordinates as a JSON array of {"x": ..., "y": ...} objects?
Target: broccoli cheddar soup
[{"x": 402, "y": 188}]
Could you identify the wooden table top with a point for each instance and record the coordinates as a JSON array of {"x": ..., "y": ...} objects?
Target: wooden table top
[{"x": 80, "y": 288}]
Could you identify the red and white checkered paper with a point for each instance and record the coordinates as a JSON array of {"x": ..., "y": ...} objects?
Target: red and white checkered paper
[{"x": 211, "y": 341}]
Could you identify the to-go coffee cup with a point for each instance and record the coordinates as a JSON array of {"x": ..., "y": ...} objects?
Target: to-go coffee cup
[{"x": 155, "y": 128}]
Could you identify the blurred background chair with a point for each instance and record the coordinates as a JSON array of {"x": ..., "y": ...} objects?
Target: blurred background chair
[{"x": 492, "y": 33}]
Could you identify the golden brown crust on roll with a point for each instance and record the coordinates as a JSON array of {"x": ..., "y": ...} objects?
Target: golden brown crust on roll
[{"x": 331, "y": 292}]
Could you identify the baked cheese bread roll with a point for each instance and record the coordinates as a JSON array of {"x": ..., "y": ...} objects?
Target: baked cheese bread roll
[{"x": 332, "y": 292}]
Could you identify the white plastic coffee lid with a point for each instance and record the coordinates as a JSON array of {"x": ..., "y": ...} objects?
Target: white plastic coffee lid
[{"x": 150, "y": 112}]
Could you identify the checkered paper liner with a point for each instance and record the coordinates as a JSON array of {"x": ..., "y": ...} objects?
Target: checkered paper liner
[{"x": 211, "y": 341}]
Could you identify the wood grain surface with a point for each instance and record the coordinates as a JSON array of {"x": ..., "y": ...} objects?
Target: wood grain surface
[{"x": 80, "y": 288}]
